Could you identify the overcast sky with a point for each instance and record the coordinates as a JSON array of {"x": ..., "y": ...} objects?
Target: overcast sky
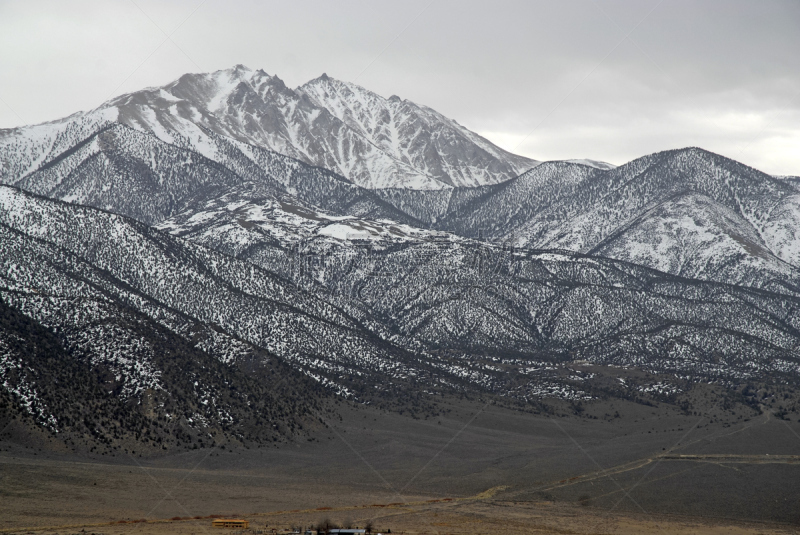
[{"x": 609, "y": 80}]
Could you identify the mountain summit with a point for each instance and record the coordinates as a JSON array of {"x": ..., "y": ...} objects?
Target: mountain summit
[
  {"x": 415, "y": 135},
  {"x": 371, "y": 141}
]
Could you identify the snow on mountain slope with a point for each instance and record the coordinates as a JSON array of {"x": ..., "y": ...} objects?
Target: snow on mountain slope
[
  {"x": 675, "y": 202},
  {"x": 694, "y": 237},
  {"x": 492, "y": 212},
  {"x": 466, "y": 296},
  {"x": 416, "y": 135},
  {"x": 621, "y": 195},
  {"x": 397, "y": 144},
  {"x": 413, "y": 313},
  {"x": 134, "y": 173},
  {"x": 26, "y": 149},
  {"x": 102, "y": 376},
  {"x": 555, "y": 205},
  {"x": 497, "y": 213},
  {"x": 559, "y": 205},
  {"x": 256, "y": 108},
  {"x": 793, "y": 181},
  {"x": 56, "y": 254},
  {"x": 242, "y": 221},
  {"x": 593, "y": 163},
  {"x": 412, "y": 285},
  {"x": 128, "y": 172},
  {"x": 431, "y": 293}
]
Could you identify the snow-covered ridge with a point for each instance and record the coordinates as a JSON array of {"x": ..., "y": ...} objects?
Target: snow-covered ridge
[
  {"x": 682, "y": 263},
  {"x": 689, "y": 212},
  {"x": 409, "y": 133},
  {"x": 371, "y": 141},
  {"x": 244, "y": 222},
  {"x": 427, "y": 313},
  {"x": 593, "y": 163}
]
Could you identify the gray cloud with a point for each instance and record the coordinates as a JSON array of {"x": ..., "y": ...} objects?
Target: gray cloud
[{"x": 605, "y": 80}]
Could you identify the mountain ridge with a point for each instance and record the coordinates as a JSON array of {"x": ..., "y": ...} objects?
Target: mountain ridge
[
  {"x": 556, "y": 205},
  {"x": 455, "y": 316},
  {"x": 255, "y": 107},
  {"x": 168, "y": 215}
]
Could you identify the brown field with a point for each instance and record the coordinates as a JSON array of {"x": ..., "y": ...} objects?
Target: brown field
[
  {"x": 645, "y": 473},
  {"x": 479, "y": 515}
]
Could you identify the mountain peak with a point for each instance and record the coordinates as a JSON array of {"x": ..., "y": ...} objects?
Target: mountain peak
[
  {"x": 323, "y": 80},
  {"x": 277, "y": 82},
  {"x": 241, "y": 68},
  {"x": 370, "y": 140}
]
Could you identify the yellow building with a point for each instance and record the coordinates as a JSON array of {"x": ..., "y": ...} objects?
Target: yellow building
[{"x": 230, "y": 523}]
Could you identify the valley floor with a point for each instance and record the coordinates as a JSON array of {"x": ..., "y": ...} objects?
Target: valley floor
[
  {"x": 472, "y": 515},
  {"x": 475, "y": 469}
]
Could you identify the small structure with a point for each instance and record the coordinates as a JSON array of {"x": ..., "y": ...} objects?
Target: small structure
[{"x": 230, "y": 523}]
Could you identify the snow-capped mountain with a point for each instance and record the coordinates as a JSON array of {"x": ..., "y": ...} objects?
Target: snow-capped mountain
[
  {"x": 688, "y": 212},
  {"x": 79, "y": 271},
  {"x": 371, "y": 141},
  {"x": 436, "y": 291},
  {"x": 134, "y": 173},
  {"x": 372, "y": 248},
  {"x": 380, "y": 321},
  {"x": 417, "y": 136}
]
